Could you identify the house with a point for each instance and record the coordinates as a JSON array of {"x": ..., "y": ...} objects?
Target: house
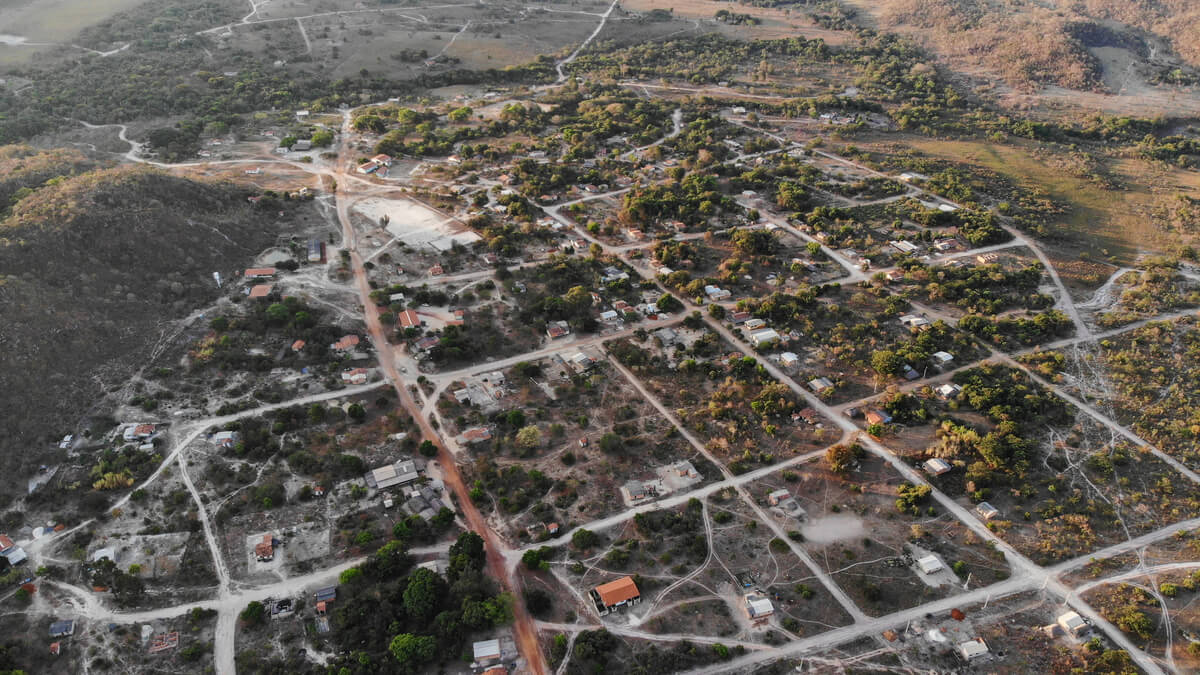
[
  {"x": 1073, "y": 624},
  {"x": 930, "y": 564},
  {"x": 809, "y": 415},
  {"x": 225, "y": 439},
  {"x": 298, "y": 346},
  {"x": 557, "y": 329},
  {"x": 903, "y": 246},
  {"x": 611, "y": 274},
  {"x": 368, "y": 167},
  {"x": 739, "y": 317},
  {"x": 973, "y": 649},
  {"x": 264, "y": 551},
  {"x": 299, "y": 146},
  {"x": 636, "y": 491},
  {"x": 758, "y": 607},
  {"x": 581, "y": 363},
  {"x": 937, "y": 466},
  {"x": 326, "y": 594},
  {"x": 487, "y": 652},
  {"x": 716, "y": 293},
  {"x": 385, "y": 160},
  {"x": 135, "y": 432},
  {"x": 614, "y": 594},
  {"x": 301, "y": 114},
  {"x": 610, "y": 317},
  {"x": 476, "y": 435},
  {"x": 788, "y": 359},
  {"x": 738, "y": 110},
  {"x": 60, "y": 629},
  {"x": 987, "y": 511},
  {"x": 401, "y": 473},
  {"x": 942, "y": 359},
  {"x": 345, "y": 343},
  {"x": 684, "y": 469},
  {"x": 820, "y": 384},
  {"x": 437, "y": 270},
  {"x": 764, "y": 338},
  {"x": 408, "y": 319},
  {"x": 259, "y": 273},
  {"x": 914, "y": 322},
  {"x": 894, "y": 275},
  {"x": 878, "y": 417},
  {"x": 260, "y": 291},
  {"x": 552, "y": 528},
  {"x": 948, "y": 391},
  {"x": 667, "y": 336},
  {"x": 777, "y": 496},
  {"x": 755, "y": 324},
  {"x": 355, "y": 375}
]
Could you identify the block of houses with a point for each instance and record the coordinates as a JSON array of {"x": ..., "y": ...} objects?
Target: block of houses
[
  {"x": 764, "y": 338},
  {"x": 264, "y": 551},
  {"x": 777, "y": 496},
  {"x": 820, "y": 384},
  {"x": 398, "y": 474},
  {"x": 608, "y": 597},
  {"x": 987, "y": 511},
  {"x": 930, "y": 564},
  {"x": 937, "y": 466},
  {"x": 1073, "y": 624}
]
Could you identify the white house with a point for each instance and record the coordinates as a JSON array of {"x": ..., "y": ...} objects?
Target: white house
[
  {"x": 930, "y": 564},
  {"x": 764, "y": 337},
  {"x": 937, "y": 466}
]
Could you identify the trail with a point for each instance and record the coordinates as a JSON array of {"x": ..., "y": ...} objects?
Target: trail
[
  {"x": 304, "y": 34},
  {"x": 562, "y": 74}
]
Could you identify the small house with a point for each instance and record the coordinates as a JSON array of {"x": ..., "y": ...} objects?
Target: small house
[
  {"x": 298, "y": 346},
  {"x": 789, "y": 359},
  {"x": 355, "y": 375},
  {"x": 326, "y": 594},
  {"x": 476, "y": 435},
  {"x": 987, "y": 511},
  {"x": 936, "y": 466},
  {"x": 636, "y": 491},
  {"x": 764, "y": 338},
  {"x": 1073, "y": 624},
  {"x": 558, "y": 329},
  {"x": 930, "y": 564},
  {"x": 948, "y": 391},
  {"x": 758, "y": 607},
  {"x": 65, "y": 628},
  {"x": 820, "y": 384},
  {"x": 260, "y": 291},
  {"x": 904, "y": 246},
  {"x": 778, "y": 496},
  {"x": 755, "y": 324},
  {"x": 973, "y": 649},
  {"x": 607, "y": 597},
  {"x": 739, "y": 317},
  {"x": 486, "y": 652},
  {"x": 408, "y": 319},
  {"x": 942, "y": 359},
  {"x": 302, "y": 145},
  {"x": 264, "y": 551},
  {"x": 345, "y": 343},
  {"x": 878, "y": 417}
]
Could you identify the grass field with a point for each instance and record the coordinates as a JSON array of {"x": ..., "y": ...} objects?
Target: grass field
[
  {"x": 56, "y": 20},
  {"x": 1104, "y": 222}
]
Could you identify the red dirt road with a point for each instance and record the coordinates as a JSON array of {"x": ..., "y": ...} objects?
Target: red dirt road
[{"x": 526, "y": 634}]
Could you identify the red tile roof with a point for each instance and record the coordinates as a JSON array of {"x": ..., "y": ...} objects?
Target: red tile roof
[{"x": 616, "y": 592}]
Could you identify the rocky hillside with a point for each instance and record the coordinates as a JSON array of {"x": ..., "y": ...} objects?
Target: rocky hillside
[{"x": 93, "y": 269}]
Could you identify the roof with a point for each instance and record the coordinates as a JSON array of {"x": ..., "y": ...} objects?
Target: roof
[
  {"x": 260, "y": 272},
  {"x": 930, "y": 564},
  {"x": 937, "y": 465},
  {"x": 260, "y": 291},
  {"x": 477, "y": 434},
  {"x": 326, "y": 593},
  {"x": 973, "y": 648},
  {"x": 400, "y": 473},
  {"x": 616, "y": 592},
  {"x": 757, "y": 605},
  {"x": 65, "y": 627},
  {"x": 408, "y": 319},
  {"x": 297, "y": 345},
  {"x": 487, "y": 649},
  {"x": 5, "y": 542}
]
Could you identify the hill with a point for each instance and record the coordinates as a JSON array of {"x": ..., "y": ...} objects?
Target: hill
[{"x": 93, "y": 269}]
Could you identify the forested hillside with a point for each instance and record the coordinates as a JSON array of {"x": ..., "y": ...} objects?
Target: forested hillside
[{"x": 92, "y": 269}]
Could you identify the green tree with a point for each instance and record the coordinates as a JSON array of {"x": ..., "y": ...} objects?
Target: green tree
[
  {"x": 323, "y": 138},
  {"x": 529, "y": 437},
  {"x": 254, "y": 614},
  {"x": 421, "y": 594},
  {"x": 412, "y": 651}
]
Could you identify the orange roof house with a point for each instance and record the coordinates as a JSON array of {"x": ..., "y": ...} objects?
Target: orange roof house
[
  {"x": 260, "y": 272},
  {"x": 260, "y": 291},
  {"x": 408, "y": 319},
  {"x": 615, "y": 594}
]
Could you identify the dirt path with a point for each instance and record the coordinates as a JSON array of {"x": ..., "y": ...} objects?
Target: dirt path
[{"x": 562, "y": 74}]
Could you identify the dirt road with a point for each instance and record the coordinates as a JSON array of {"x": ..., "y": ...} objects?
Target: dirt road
[{"x": 526, "y": 632}]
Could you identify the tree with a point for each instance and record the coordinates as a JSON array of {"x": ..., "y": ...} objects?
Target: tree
[
  {"x": 584, "y": 539},
  {"x": 529, "y": 437},
  {"x": 467, "y": 554},
  {"x": 422, "y": 593},
  {"x": 668, "y": 303},
  {"x": 412, "y": 650},
  {"x": 356, "y": 412},
  {"x": 279, "y": 313},
  {"x": 428, "y": 449},
  {"x": 886, "y": 362},
  {"x": 323, "y": 138},
  {"x": 843, "y": 457},
  {"x": 611, "y": 443},
  {"x": 254, "y": 613},
  {"x": 460, "y": 114}
]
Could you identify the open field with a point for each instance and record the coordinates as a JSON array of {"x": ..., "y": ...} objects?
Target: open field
[{"x": 1101, "y": 221}]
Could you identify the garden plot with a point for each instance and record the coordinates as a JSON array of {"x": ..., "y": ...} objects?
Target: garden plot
[{"x": 884, "y": 558}]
